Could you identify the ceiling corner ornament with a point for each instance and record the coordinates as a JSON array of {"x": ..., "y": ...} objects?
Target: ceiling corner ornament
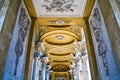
[
  {"x": 77, "y": 30},
  {"x": 43, "y": 29}
]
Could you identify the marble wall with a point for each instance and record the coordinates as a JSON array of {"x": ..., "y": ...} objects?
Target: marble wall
[
  {"x": 14, "y": 68},
  {"x": 107, "y": 66},
  {"x": 7, "y": 30},
  {"x": 112, "y": 27}
]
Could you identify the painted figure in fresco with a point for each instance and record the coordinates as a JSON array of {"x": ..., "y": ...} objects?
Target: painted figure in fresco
[{"x": 59, "y": 5}]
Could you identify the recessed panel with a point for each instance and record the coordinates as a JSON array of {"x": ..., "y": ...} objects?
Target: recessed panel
[
  {"x": 60, "y": 39},
  {"x": 59, "y": 8}
]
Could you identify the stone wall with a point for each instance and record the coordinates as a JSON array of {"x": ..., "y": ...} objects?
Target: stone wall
[
  {"x": 112, "y": 27},
  {"x": 5, "y": 36}
]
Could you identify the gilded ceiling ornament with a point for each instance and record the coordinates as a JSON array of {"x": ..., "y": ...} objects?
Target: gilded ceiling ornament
[
  {"x": 60, "y": 37},
  {"x": 43, "y": 29},
  {"x": 59, "y": 22}
]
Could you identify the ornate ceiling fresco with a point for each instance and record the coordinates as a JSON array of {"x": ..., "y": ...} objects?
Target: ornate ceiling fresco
[{"x": 59, "y": 8}]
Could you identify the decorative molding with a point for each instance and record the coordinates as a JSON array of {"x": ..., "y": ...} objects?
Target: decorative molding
[
  {"x": 24, "y": 24},
  {"x": 77, "y": 30},
  {"x": 59, "y": 22},
  {"x": 105, "y": 59},
  {"x": 43, "y": 30},
  {"x": 96, "y": 26},
  {"x": 14, "y": 68}
]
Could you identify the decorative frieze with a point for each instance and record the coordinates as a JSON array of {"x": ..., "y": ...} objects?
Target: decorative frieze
[
  {"x": 59, "y": 22},
  {"x": 24, "y": 24},
  {"x": 14, "y": 68},
  {"x": 108, "y": 69},
  {"x": 96, "y": 26}
]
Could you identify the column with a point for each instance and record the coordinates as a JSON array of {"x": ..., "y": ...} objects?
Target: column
[
  {"x": 81, "y": 70},
  {"x": 73, "y": 70},
  {"x": 70, "y": 71},
  {"x": 78, "y": 70},
  {"x": 88, "y": 68},
  {"x": 47, "y": 71},
  {"x": 77, "y": 66},
  {"x": 43, "y": 71},
  {"x": 85, "y": 69},
  {"x": 35, "y": 73},
  {"x": 44, "y": 61},
  {"x": 36, "y": 70}
]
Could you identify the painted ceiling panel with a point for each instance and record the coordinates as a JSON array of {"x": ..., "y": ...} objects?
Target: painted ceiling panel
[{"x": 59, "y": 8}]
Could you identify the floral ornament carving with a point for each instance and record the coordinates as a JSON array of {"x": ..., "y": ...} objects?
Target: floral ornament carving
[
  {"x": 96, "y": 24},
  {"x": 43, "y": 29},
  {"x": 58, "y": 5},
  {"x": 77, "y": 30},
  {"x": 24, "y": 24}
]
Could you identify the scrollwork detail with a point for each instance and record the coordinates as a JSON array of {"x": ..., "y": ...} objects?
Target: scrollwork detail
[
  {"x": 96, "y": 24},
  {"x": 24, "y": 24}
]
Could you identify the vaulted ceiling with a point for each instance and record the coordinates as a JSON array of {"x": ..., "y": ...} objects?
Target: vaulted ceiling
[
  {"x": 59, "y": 23},
  {"x": 60, "y": 44}
]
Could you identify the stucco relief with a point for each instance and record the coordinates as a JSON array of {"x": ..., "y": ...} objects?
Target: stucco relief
[
  {"x": 14, "y": 68},
  {"x": 103, "y": 50},
  {"x": 96, "y": 24},
  {"x": 24, "y": 24},
  {"x": 59, "y": 5},
  {"x": 59, "y": 8}
]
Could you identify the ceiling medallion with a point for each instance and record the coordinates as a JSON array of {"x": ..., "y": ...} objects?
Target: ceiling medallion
[
  {"x": 60, "y": 50},
  {"x": 59, "y": 22},
  {"x": 60, "y": 37}
]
